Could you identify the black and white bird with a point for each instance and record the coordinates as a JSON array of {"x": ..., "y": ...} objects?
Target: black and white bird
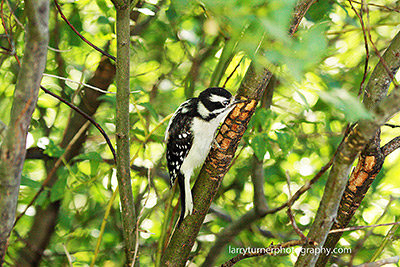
[{"x": 189, "y": 136}]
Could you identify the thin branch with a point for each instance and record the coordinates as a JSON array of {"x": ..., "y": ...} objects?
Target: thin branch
[
  {"x": 391, "y": 146},
  {"x": 385, "y": 66},
  {"x": 15, "y": 17},
  {"x": 139, "y": 218},
  {"x": 69, "y": 258},
  {"x": 359, "y": 15},
  {"x": 233, "y": 72},
  {"x": 290, "y": 213},
  {"x": 390, "y": 260},
  {"x": 360, "y": 242},
  {"x": 388, "y": 238},
  {"x": 103, "y": 226},
  {"x": 80, "y": 35},
  {"x": 391, "y": 125},
  {"x": 53, "y": 170},
  {"x": 86, "y": 116},
  {"x": 355, "y": 228},
  {"x": 10, "y": 42},
  {"x": 80, "y": 83},
  {"x": 384, "y": 7}
]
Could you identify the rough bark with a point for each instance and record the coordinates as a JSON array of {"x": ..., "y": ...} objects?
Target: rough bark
[
  {"x": 354, "y": 143},
  {"x": 372, "y": 157},
  {"x": 218, "y": 161},
  {"x": 12, "y": 151},
  {"x": 215, "y": 167}
]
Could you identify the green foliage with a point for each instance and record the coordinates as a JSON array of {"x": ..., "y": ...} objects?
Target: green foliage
[
  {"x": 348, "y": 104},
  {"x": 183, "y": 44}
]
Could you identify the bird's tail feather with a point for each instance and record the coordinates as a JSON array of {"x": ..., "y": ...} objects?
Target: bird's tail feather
[{"x": 181, "y": 182}]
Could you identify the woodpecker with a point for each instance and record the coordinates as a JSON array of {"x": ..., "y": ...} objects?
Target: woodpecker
[{"x": 189, "y": 136}]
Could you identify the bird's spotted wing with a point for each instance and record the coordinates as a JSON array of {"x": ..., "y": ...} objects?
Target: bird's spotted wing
[{"x": 179, "y": 141}]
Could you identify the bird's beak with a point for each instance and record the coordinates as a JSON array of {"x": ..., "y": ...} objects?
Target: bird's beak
[{"x": 238, "y": 101}]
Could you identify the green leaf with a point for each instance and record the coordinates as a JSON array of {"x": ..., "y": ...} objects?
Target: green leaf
[
  {"x": 351, "y": 107},
  {"x": 94, "y": 166},
  {"x": 285, "y": 141},
  {"x": 52, "y": 150},
  {"x": 103, "y": 20},
  {"x": 262, "y": 119},
  {"x": 258, "y": 144},
  {"x": 102, "y": 4},
  {"x": 26, "y": 181},
  {"x": 58, "y": 189},
  {"x": 42, "y": 199},
  {"x": 150, "y": 109},
  {"x": 91, "y": 156}
]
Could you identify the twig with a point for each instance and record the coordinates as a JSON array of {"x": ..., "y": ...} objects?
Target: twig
[
  {"x": 360, "y": 242},
  {"x": 139, "y": 217},
  {"x": 53, "y": 170},
  {"x": 388, "y": 238},
  {"x": 390, "y": 260},
  {"x": 86, "y": 116},
  {"x": 380, "y": 6},
  {"x": 68, "y": 255},
  {"x": 290, "y": 213},
  {"x": 12, "y": 49},
  {"x": 355, "y": 228},
  {"x": 234, "y": 70},
  {"x": 15, "y": 17},
  {"x": 80, "y": 35},
  {"x": 80, "y": 83},
  {"x": 378, "y": 53},
  {"x": 103, "y": 226},
  {"x": 359, "y": 15},
  {"x": 392, "y": 125}
]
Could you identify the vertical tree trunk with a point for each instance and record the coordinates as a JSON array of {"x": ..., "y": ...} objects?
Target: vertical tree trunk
[
  {"x": 12, "y": 154},
  {"x": 122, "y": 129}
]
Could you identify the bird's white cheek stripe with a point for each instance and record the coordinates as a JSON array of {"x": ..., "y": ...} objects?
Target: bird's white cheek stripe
[
  {"x": 217, "y": 98},
  {"x": 202, "y": 110}
]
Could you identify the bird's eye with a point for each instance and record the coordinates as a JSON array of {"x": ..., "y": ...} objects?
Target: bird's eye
[{"x": 225, "y": 103}]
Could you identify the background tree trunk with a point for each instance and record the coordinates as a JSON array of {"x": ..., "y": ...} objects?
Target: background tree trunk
[{"x": 12, "y": 151}]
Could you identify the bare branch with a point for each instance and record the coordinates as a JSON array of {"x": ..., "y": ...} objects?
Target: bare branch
[
  {"x": 360, "y": 18},
  {"x": 390, "y": 260},
  {"x": 80, "y": 35},
  {"x": 391, "y": 146},
  {"x": 103, "y": 133},
  {"x": 355, "y": 228}
]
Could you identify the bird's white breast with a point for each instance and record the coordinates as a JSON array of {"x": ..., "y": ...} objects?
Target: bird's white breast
[{"x": 204, "y": 133}]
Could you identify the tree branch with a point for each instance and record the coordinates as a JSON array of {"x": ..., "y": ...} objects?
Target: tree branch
[
  {"x": 122, "y": 130},
  {"x": 354, "y": 143},
  {"x": 372, "y": 157},
  {"x": 80, "y": 35},
  {"x": 215, "y": 167},
  {"x": 217, "y": 162},
  {"x": 12, "y": 151}
]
